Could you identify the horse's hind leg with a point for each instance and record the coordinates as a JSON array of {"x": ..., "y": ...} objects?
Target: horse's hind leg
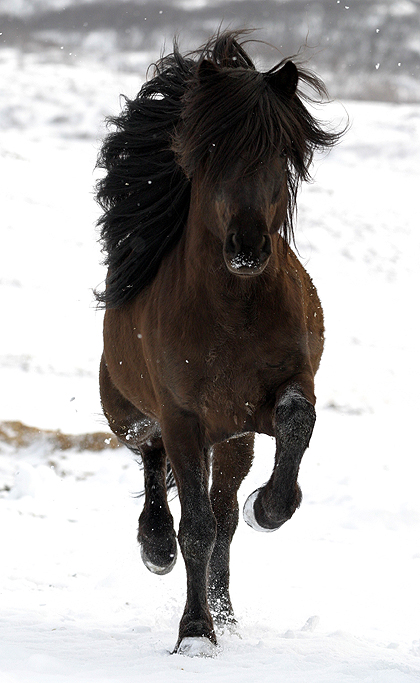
[
  {"x": 156, "y": 533},
  {"x": 232, "y": 460},
  {"x": 274, "y": 503}
]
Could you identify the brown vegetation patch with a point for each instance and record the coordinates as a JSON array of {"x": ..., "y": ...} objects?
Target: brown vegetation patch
[{"x": 19, "y": 435}]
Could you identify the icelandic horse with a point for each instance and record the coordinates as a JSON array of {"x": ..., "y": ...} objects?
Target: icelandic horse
[{"x": 213, "y": 330}]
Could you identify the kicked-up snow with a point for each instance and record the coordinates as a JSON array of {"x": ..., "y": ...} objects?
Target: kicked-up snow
[{"x": 331, "y": 597}]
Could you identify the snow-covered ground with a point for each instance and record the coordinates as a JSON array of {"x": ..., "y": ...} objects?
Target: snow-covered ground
[{"x": 331, "y": 597}]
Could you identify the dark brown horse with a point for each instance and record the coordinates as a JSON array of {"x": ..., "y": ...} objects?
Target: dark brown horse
[{"x": 213, "y": 330}]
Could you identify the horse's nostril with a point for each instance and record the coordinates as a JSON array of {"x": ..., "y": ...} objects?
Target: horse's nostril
[
  {"x": 232, "y": 244},
  {"x": 265, "y": 248},
  {"x": 267, "y": 244},
  {"x": 235, "y": 242}
]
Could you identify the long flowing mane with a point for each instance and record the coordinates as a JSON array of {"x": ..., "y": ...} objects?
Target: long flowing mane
[{"x": 179, "y": 123}]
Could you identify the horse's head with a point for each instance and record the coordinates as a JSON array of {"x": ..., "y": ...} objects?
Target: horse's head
[
  {"x": 234, "y": 144},
  {"x": 245, "y": 210},
  {"x": 246, "y": 140}
]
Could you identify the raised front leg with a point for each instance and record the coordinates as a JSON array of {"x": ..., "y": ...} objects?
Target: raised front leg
[
  {"x": 274, "y": 503},
  {"x": 197, "y": 529},
  {"x": 232, "y": 460}
]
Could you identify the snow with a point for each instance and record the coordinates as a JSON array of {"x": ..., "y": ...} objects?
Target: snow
[{"x": 331, "y": 597}]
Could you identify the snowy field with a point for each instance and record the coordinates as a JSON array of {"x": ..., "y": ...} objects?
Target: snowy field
[{"x": 334, "y": 595}]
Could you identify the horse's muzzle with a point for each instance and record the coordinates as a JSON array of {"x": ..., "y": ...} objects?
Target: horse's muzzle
[{"x": 244, "y": 257}]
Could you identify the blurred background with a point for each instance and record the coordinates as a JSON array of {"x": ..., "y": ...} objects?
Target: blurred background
[{"x": 364, "y": 49}]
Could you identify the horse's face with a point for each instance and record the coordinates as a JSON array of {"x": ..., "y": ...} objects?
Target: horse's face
[{"x": 245, "y": 211}]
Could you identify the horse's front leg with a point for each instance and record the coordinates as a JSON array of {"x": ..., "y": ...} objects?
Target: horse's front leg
[
  {"x": 274, "y": 503},
  {"x": 197, "y": 530}
]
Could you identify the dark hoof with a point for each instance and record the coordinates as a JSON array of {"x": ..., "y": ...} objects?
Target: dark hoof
[
  {"x": 158, "y": 552},
  {"x": 196, "y": 629},
  {"x": 196, "y": 646},
  {"x": 257, "y": 517},
  {"x": 157, "y": 539},
  {"x": 157, "y": 567}
]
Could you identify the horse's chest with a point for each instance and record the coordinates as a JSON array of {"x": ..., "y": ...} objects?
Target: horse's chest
[
  {"x": 230, "y": 388},
  {"x": 228, "y": 402},
  {"x": 227, "y": 371},
  {"x": 232, "y": 375}
]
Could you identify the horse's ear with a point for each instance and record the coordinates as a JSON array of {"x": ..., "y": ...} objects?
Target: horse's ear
[
  {"x": 206, "y": 69},
  {"x": 284, "y": 81}
]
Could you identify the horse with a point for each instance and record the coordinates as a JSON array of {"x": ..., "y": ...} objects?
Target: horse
[{"x": 213, "y": 330}]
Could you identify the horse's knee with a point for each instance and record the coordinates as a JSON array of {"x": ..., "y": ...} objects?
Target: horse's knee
[
  {"x": 294, "y": 420},
  {"x": 197, "y": 534}
]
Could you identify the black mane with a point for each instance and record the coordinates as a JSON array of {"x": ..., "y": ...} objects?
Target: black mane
[{"x": 178, "y": 123}]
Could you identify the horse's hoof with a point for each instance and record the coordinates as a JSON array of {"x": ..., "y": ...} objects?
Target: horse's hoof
[
  {"x": 198, "y": 646},
  {"x": 249, "y": 514},
  {"x": 156, "y": 569}
]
